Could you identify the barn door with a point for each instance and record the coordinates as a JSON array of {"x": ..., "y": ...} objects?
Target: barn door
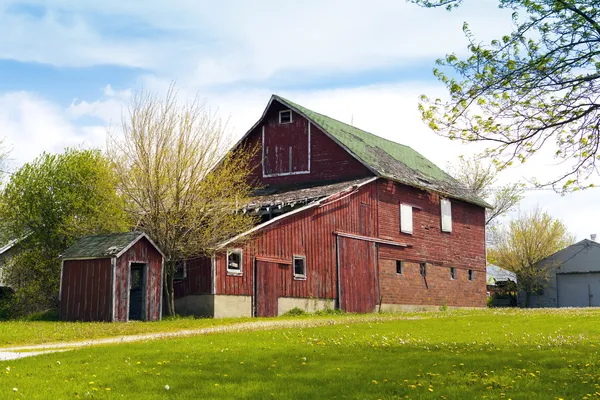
[
  {"x": 137, "y": 290},
  {"x": 358, "y": 280},
  {"x": 266, "y": 289}
]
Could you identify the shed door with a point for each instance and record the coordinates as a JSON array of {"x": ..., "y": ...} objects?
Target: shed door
[
  {"x": 266, "y": 289},
  {"x": 578, "y": 290},
  {"x": 358, "y": 280},
  {"x": 137, "y": 290}
]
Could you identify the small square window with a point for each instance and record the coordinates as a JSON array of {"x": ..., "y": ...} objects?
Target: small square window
[
  {"x": 180, "y": 270},
  {"x": 299, "y": 267},
  {"x": 285, "y": 116},
  {"x": 423, "y": 269},
  {"x": 452, "y": 273},
  {"x": 470, "y": 274},
  {"x": 399, "y": 267},
  {"x": 234, "y": 261}
]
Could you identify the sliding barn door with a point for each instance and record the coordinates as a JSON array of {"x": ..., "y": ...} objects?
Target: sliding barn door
[
  {"x": 358, "y": 280},
  {"x": 266, "y": 289}
]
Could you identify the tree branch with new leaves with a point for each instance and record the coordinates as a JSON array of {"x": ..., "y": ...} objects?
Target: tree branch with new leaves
[{"x": 534, "y": 88}]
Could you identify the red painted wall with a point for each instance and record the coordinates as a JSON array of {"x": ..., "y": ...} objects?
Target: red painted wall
[
  {"x": 86, "y": 291},
  {"x": 142, "y": 252},
  {"x": 198, "y": 278},
  {"x": 463, "y": 248},
  {"x": 308, "y": 233},
  {"x": 328, "y": 161}
]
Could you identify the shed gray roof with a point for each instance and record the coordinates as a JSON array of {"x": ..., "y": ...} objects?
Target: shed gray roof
[
  {"x": 102, "y": 246},
  {"x": 496, "y": 274}
]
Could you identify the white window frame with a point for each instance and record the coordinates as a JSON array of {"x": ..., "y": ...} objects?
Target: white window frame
[
  {"x": 446, "y": 215},
  {"x": 291, "y": 116},
  {"x": 299, "y": 276},
  {"x": 235, "y": 271},
  {"x": 406, "y": 225}
]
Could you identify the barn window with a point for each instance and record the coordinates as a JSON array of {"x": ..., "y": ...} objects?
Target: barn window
[
  {"x": 446, "y": 210},
  {"x": 180, "y": 270},
  {"x": 423, "y": 269},
  {"x": 299, "y": 267},
  {"x": 470, "y": 274},
  {"x": 285, "y": 116},
  {"x": 452, "y": 273},
  {"x": 234, "y": 261},
  {"x": 406, "y": 219},
  {"x": 399, "y": 267}
]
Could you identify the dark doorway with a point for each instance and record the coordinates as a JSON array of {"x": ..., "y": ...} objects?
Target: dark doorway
[
  {"x": 137, "y": 291},
  {"x": 266, "y": 289}
]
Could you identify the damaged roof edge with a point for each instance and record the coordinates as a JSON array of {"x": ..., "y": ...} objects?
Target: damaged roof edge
[{"x": 282, "y": 216}]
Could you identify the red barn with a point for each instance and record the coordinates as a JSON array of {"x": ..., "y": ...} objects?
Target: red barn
[
  {"x": 113, "y": 277},
  {"x": 348, "y": 220}
]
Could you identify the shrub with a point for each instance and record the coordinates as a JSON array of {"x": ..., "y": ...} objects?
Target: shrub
[
  {"x": 330, "y": 311},
  {"x": 296, "y": 311}
]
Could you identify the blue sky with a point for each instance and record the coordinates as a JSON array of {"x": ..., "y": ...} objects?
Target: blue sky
[{"x": 67, "y": 68}]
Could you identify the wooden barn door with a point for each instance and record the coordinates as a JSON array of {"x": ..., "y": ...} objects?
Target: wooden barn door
[
  {"x": 266, "y": 289},
  {"x": 358, "y": 280}
]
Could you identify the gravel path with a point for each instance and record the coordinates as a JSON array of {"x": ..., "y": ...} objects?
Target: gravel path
[{"x": 14, "y": 352}]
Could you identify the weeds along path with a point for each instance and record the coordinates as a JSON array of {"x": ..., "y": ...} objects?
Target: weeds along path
[{"x": 31, "y": 350}]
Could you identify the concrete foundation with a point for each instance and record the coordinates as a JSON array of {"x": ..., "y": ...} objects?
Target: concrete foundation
[
  {"x": 284, "y": 304},
  {"x": 216, "y": 306}
]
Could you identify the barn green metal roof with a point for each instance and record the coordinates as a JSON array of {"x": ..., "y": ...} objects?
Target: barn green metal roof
[
  {"x": 101, "y": 246},
  {"x": 388, "y": 159}
]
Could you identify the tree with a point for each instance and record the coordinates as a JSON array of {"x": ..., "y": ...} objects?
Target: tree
[
  {"x": 480, "y": 178},
  {"x": 48, "y": 204},
  {"x": 174, "y": 190},
  {"x": 529, "y": 238},
  {"x": 536, "y": 87}
]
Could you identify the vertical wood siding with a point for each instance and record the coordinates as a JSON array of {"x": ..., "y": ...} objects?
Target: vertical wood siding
[
  {"x": 86, "y": 294},
  {"x": 309, "y": 234},
  {"x": 142, "y": 252},
  {"x": 198, "y": 278},
  {"x": 328, "y": 161},
  {"x": 268, "y": 280},
  {"x": 358, "y": 278}
]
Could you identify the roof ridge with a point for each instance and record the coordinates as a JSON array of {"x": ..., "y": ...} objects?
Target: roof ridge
[{"x": 345, "y": 123}]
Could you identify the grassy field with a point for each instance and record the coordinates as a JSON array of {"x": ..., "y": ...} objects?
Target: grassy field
[{"x": 513, "y": 354}]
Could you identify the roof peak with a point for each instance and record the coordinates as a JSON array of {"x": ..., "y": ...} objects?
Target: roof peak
[{"x": 386, "y": 158}]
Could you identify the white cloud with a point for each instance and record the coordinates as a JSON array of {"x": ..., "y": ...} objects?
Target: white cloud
[
  {"x": 32, "y": 125},
  {"x": 208, "y": 43}
]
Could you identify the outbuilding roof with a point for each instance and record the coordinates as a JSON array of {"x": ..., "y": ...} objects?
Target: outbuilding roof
[
  {"x": 103, "y": 246},
  {"x": 386, "y": 158}
]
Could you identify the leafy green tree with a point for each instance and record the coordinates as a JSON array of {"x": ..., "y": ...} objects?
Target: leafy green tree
[
  {"x": 166, "y": 162},
  {"x": 527, "y": 240},
  {"x": 48, "y": 204},
  {"x": 535, "y": 87}
]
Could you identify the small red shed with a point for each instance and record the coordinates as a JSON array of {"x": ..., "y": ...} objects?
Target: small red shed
[{"x": 112, "y": 277}]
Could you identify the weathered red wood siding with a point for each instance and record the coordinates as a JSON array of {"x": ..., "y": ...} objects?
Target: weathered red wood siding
[
  {"x": 358, "y": 275},
  {"x": 142, "y": 252},
  {"x": 86, "y": 290},
  {"x": 463, "y": 248},
  {"x": 198, "y": 279},
  {"x": 310, "y": 234},
  {"x": 328, "y": 161}
]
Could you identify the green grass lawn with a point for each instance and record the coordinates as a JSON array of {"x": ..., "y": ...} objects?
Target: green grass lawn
[{"x": 542, "y": 354}]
